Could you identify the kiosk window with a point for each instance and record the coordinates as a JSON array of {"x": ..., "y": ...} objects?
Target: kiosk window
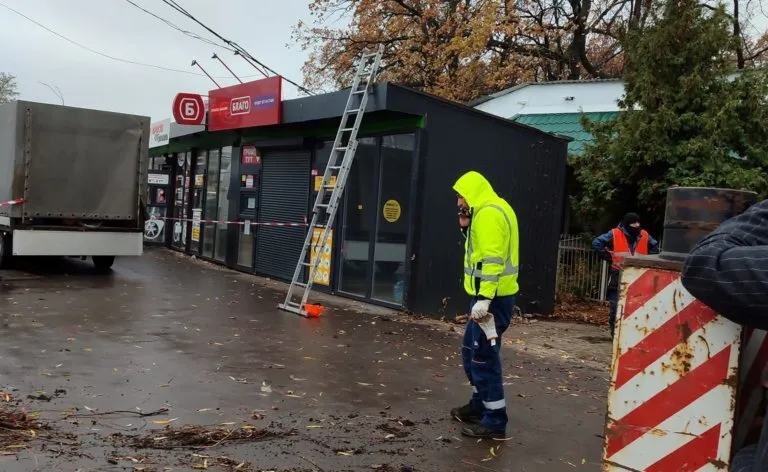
[
  {"x": 211, "y": 203},
  {"x": 223, "y": 204}
]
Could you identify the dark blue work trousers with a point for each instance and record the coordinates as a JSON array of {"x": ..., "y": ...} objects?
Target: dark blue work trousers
[
  {"x": 482, "y": 364},
  {"x": 612, "y": 294}
]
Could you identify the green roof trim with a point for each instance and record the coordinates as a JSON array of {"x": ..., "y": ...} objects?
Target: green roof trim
[
  {"x": 374, "y": 123},
  {"x": 566, "y": 124}
]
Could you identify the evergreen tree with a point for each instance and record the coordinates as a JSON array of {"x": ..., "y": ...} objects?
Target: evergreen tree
[{"x": 686, "y": 119}]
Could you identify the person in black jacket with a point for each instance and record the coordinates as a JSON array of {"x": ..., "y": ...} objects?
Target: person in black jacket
[{"x": 728, "y": 271}]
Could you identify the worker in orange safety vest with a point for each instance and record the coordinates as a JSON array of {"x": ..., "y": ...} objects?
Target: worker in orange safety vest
[{"x": 628, "y": 238}]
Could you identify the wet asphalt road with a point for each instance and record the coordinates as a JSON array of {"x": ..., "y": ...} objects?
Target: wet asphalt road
[{"x": 356, "y": 391}]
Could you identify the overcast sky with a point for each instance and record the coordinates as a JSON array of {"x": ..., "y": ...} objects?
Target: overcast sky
[{"x": 114, "y": 27}]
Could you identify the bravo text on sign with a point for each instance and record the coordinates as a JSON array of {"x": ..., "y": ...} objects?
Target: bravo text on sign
[{"x": 240, "y": 106}]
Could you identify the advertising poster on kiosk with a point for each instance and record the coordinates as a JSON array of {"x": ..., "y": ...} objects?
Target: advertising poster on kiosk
[{"x": 323, "y": 272}]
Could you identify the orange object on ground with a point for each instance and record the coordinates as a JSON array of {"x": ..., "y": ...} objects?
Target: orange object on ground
[{"x": 313, "y": 311}]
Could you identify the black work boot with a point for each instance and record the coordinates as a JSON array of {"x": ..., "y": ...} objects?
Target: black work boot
[
  {"x": 481, "y": 432},
  {"x": 466, "y": 414}
]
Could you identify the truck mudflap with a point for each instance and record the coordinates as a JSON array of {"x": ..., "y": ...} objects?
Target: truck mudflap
[{"x": 77, "y": 243}]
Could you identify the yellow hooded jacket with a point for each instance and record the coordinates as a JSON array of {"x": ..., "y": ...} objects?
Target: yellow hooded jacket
[{"x": 492, "y": 246}]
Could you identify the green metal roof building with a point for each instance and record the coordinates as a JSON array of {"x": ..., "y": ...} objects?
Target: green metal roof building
[
  {"x": 557, "y": 107},
  {"x": 566, "y": 124}
]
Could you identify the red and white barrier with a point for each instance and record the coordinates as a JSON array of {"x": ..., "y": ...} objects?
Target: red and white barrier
[
  {"x": 12, "y": 202},
  {"x": 673, "y": 379},
  {"x": 235, "y": 222}
]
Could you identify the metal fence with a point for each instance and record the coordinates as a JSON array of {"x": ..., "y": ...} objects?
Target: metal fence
[{"x": 580, "y": 272}]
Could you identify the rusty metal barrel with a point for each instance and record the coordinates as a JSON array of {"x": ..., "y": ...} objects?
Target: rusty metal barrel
[{"x": 694, "y": 212}]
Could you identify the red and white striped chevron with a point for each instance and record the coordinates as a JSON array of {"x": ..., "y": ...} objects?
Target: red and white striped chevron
[
  {"x": 12, "y": 202},
  {"x": 673, "y": 379},
  {"x": 751, "y": 401}
]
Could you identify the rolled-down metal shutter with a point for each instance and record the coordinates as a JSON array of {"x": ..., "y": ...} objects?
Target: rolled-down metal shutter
[{"x": 284, "y": 199}]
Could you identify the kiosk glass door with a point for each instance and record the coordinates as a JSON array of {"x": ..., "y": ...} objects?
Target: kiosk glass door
[
  {"x": 180, "y": 202},
  {"x": 248, "y": 204},
  {"x": 157, "y": 205},
  {"x": 198, "y": 194},
  {"x": 375, "y": 227}
]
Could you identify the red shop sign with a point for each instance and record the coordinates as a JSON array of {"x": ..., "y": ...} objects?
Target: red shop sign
[
  {"x": 257, "y": 103},
  {"x": 188, "y": 109}
]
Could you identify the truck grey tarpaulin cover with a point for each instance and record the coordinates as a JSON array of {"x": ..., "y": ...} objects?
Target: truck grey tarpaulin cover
[{"x": 71, "y": 162}]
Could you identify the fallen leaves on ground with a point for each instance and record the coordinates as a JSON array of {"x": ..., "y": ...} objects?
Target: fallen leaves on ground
[
  {"x": 571, "y": 308},
  {"x": 16, "y": 430},
  {"x": 195, "y": 436}
]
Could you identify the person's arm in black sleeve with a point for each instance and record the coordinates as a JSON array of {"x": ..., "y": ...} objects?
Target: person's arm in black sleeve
[{"x": 728, "y": 269}]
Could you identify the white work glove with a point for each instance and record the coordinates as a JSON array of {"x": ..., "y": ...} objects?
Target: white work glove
[
  {"x": 484, "y": 319},
  {"x": 488, "y": 325},
  {"x": 480, "y": 309}
]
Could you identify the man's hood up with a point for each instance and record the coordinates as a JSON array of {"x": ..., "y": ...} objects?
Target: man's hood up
[{"x": 475, "y": 189}]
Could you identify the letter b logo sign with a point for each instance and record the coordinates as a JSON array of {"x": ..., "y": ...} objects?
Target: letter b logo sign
[{"x": 188, "y": 109}]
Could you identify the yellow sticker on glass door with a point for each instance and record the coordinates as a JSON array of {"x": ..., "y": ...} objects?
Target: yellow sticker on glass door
[
  {"x": 319, "y": 182},
  {"x": 391, "y": 211},
  {"x": 323, "y": 272}
]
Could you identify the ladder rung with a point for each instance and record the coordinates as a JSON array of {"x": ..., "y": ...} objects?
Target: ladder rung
[
  {"x": 300, "y": 284},
  {"x": 356, "y": 110},
  {"x": 306, "y": 264},
  {"x": 346, "y": 129},
  {"x": 342, "y": 148},
  {"x": 359, "y": 91}
]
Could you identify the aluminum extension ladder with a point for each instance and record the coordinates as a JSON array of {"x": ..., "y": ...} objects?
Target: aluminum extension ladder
[{"x": 339, "y": 165}]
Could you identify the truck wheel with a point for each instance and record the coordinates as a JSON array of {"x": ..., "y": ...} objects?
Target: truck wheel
[
  {"x": 103, "y": 263},
  {"x": 5, "y": 250}
]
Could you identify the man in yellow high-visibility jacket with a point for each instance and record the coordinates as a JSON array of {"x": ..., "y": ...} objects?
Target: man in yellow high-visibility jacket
[{"x": 490, "y": 277}]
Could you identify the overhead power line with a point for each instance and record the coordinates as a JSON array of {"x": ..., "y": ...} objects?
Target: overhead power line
[
  {"x": 200, "y": 38},
  {"x": 176, "y": 6},
  {"x": 180, "y": 29},
  {"x": 94, "y": 51}
]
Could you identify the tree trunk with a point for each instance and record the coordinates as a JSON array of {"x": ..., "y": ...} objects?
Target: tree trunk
[{"x": 740, "y": 62}]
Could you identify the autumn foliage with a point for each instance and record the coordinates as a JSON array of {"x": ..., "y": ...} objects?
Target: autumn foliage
[{"x": 463, "y": 49}]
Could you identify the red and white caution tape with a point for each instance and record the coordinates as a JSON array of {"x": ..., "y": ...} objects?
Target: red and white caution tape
[
  {"x": 12, "y": 202},
  {"x": 252, "y": 223}
]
